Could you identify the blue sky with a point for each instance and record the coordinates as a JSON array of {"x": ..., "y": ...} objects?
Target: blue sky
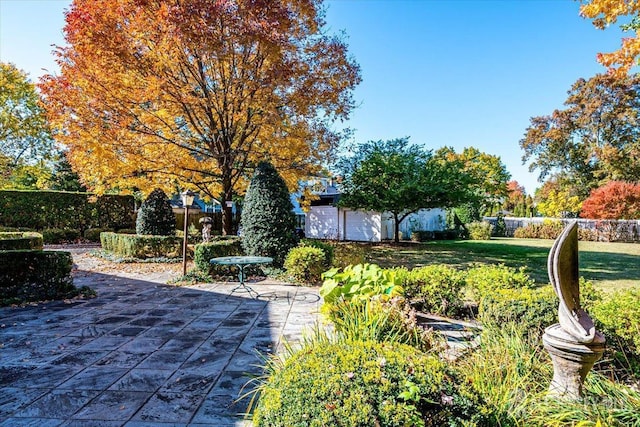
[{"x": 457, "y": 73}]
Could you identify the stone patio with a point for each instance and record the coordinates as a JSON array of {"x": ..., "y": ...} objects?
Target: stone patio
[{"x": 144, "y": 353}]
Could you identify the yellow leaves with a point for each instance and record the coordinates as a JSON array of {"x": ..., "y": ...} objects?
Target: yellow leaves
[{"x": 607, "y": 12}]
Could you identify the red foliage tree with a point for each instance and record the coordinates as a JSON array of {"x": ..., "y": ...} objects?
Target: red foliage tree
[{"x": 615, "y": 200}]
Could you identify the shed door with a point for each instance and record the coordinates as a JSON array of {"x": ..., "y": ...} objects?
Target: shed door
[{"x": 362, "y": 226}]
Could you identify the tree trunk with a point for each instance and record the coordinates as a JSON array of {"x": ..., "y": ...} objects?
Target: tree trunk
[{"x": 396, "y": 226}]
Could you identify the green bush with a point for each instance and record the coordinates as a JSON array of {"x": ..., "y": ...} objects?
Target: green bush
[
  {"x": 93, "y": 234},
  {"x": 421, "y": 235},
  {"x": 268, "y": 222},
  {"x": 484, "y": 279},
  {"x": 219, "y": 247},
  {"x": 140, "y": 247},
  {"x": 549, "y": 229},
  {"x": 479, "y": 230},
  {"x": 618, "y": 317},
  {"x": 534, "y": 309},
  {"x": 306, "y": 264},
  {"x": 155, "y": 216},
  {"x": 355, "y": 383},
  {"x": 20, "y": 240},
  {"x": 59, "y": 235},
  {"x": 434, "y": 289},
  {"x": 345, "y": 254},
  {"x": 28, "y": 275},
  {"x": 327, "y": 248}
]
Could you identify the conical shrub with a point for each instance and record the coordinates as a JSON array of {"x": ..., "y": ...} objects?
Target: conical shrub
[
  {"x": 268, "y": 222},
  {"x": 155, "y": 216}
]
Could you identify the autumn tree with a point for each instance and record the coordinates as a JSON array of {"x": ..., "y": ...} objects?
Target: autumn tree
[
  {"x": 24, "y": 133},
  {"x": 596, "y": 138},
  {"x": 394, "y": 176},
  {"x": 555, "y": 200},
  {"x": 605, "y": 13},
  {"x": 517, "y": 202},
  {"x": 614, "y": 200},
  {"x": 195, "y": 93}
]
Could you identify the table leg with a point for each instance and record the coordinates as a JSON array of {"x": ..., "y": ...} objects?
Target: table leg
[{"x": 242, "y": 285}]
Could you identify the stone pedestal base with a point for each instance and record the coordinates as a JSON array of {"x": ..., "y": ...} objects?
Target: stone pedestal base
[{"x": 571, "y": 361}]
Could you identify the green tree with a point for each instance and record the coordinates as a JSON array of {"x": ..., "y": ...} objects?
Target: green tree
[
  {"x": 155, "y": 216},
  {"x": 393, "y": 176},
  {"x": 24, "y": 133},
  {"x": 595, "y": 139},
  {"x": 489, "y": 177},
  {"x": 268, "y": 222}
]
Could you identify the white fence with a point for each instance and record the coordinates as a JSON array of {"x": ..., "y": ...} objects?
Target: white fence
[{"x": 605, "y": 230}]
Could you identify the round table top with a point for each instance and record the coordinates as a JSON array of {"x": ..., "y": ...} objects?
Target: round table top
[{"x": 241, "y": 260}]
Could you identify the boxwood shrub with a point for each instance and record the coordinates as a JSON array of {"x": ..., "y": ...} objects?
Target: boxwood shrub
[
  {"x": 141, "y": 247},
  {"x": 534, "y": 309},
  {"x": 93, "y": 234},
  {"x": 27, "y": 275},
  {"x": 219, "y": 247},
  {"x": 357, "y": 383},
  {"x": 306, "y": 264},
  {"x": 20, "y": 240},
  {"x": 434, "y": 289}
]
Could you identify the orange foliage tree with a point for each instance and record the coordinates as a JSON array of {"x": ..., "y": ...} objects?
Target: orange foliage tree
[
  {"x": 153, "y": 93},
  {"x": 607, "y": 12},
  {"x": 615, "y": 200}
]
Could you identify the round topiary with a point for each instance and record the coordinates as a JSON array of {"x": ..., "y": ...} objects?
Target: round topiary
[
  {"x": 268, "y": 222},
  {"x": 306, "y": 264},
  {"x": 155, "y": 216},
  {"x": 357, "y": 383}
]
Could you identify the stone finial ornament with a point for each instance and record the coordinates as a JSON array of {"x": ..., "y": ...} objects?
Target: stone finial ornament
[{"x": 573, "y": 343}]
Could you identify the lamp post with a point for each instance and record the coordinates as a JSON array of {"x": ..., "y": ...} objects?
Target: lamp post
[{"x": 187, "y": 200}]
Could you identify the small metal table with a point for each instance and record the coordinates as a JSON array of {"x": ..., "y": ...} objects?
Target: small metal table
[{"x": 242, "y": 262}]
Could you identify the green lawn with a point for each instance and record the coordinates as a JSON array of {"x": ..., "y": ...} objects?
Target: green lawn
[{"x": 608, "y": 265}]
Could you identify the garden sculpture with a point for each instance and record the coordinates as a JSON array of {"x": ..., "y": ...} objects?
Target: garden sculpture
[
  {"x": 207, "y": 223},
  {"x": 573, "y": 343}
]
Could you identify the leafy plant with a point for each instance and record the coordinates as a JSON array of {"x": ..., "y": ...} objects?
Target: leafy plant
[
  {"x": 327, "y": 248},
  {"x": 361, "y": 281},
  {"x": 380, "y": 320}
]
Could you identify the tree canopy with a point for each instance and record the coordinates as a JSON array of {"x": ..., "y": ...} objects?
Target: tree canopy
[
  {"x": 394, "y": 176},
  {"x": 196, "y": 93},
  {"x": 488, "y": 175},
  {"x": 24, "y": 133},
  {"x": 607, "y": 12},
  {"x": 596, "y": 138}
]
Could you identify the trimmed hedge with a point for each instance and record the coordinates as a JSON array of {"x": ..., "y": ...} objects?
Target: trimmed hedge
[
  {"x": 62, "y": 209},
  {"x": 141, "y": 247},
  {"x": 219, "y": 247},
  {"x": 27, "y": 275},
  {"x": 20, "y": 240},
  {"x": 60, "y": 235}
]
